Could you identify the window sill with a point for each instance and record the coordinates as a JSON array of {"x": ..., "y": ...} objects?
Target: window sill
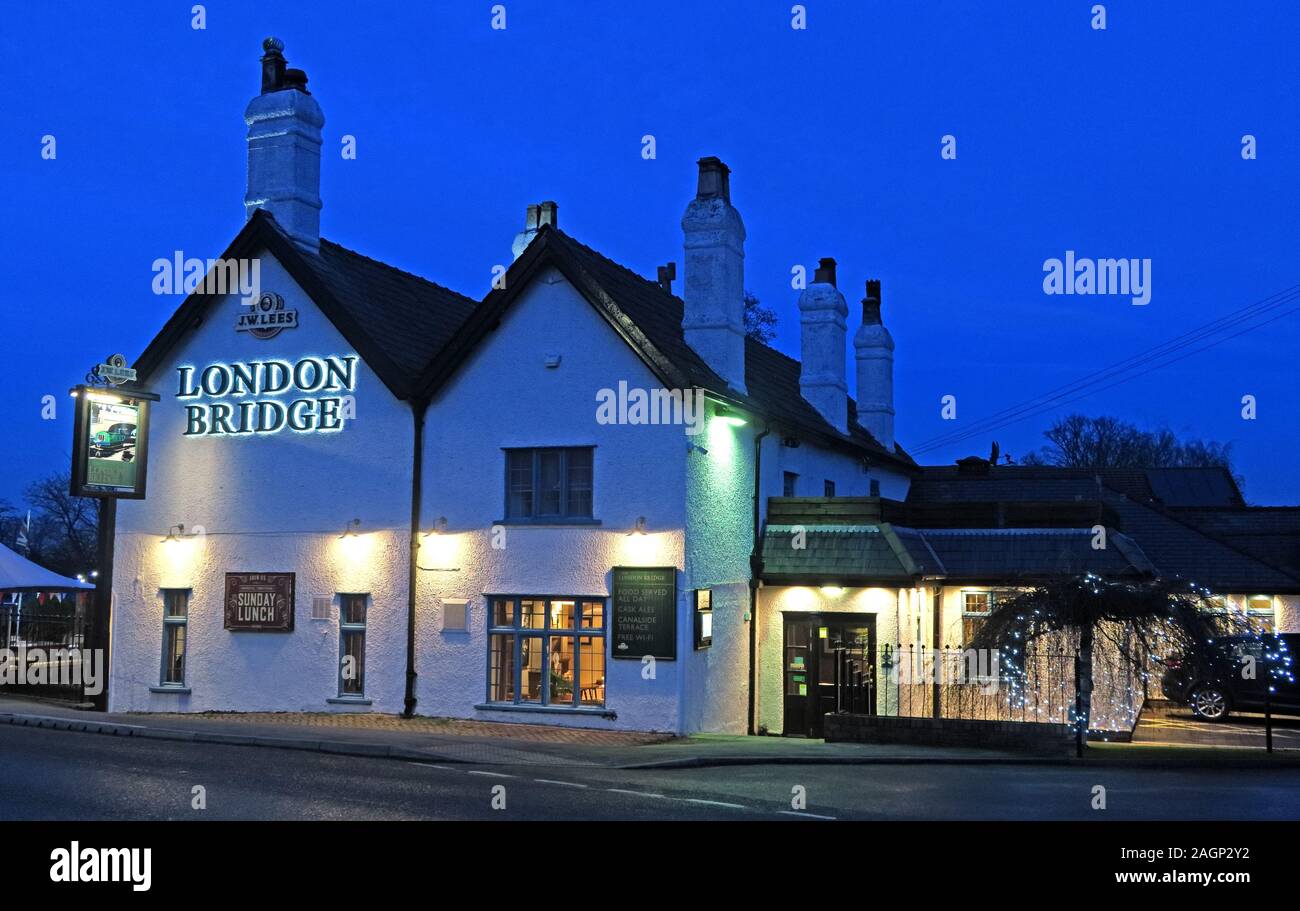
[
  {"x": 550, "y": 520},
  {"x": 348, "y": 700},
  {"x": 546, "y": 709},
  {"x": 171, "y": 690}
]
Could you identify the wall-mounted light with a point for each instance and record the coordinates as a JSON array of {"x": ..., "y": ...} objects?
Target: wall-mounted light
[
  {"x": 639, "y": 528},
  {"x": 695, "y": 447},
  {"x": 350, "y": 530},
  {"x": 727, "y": 416},
  {"x": 174, "y": 533},
  {"x": 833, "y": 591},
  {"x": 439, "y": 527}
]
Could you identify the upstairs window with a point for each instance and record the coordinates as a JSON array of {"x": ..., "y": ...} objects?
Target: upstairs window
[
  {"x": 550, "y": 483},
  {"x": 788, "y": 482},
  {"x": 830, "y": 488}
]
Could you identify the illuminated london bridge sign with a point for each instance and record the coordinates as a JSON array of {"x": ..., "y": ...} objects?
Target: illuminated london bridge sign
[{"x": 311, "y": 395}]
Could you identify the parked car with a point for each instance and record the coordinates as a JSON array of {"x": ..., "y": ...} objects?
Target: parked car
[
  {"x": 116, "y": 438},
  {"x": 1222, "y": 683}
]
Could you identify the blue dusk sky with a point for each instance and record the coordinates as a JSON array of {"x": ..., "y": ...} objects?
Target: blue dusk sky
[{"x": 1125, "y": 142}]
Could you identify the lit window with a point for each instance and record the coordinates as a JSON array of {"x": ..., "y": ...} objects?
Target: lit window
[
  {"x": 176, "y": 614},
  {"x": 1260, "y": 610},
  {"x": 547, "y": 651},
  {"x": 549, "y": 483},
  {"x": 975, "y": 609}
]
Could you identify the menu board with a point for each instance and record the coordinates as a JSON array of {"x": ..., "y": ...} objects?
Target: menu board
[{"x": 645, "y": 613}]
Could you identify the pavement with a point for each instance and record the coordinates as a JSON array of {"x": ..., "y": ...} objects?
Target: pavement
[
  {"x": 1170, "y": 723},
  {"x": 453, "y": 741}
]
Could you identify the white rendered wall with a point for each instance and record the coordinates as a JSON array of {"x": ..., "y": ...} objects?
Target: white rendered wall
[
  {"x": 268, "y": 503},
  {"x": 505, "y": 396}
]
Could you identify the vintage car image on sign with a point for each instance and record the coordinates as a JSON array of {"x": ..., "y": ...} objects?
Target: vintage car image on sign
[
  {"x": 259, "y": 602},
  {"x": 110, "y": 435}
]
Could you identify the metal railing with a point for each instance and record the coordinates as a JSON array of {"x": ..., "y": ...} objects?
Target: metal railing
[
  {"x": 53, "y": 627},
  {"x": 917, "y": 681}
]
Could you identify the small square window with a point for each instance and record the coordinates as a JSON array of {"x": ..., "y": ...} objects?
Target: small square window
[
  {"x": 455, "y": 616},
  {"x": 320, "y": 607}
]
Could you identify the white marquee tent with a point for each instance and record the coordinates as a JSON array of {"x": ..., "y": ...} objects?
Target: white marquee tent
[{"x": 18, "y": 574}]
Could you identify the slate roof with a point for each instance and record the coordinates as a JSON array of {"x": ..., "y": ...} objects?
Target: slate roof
[
  {"x": 1013, "y": 553},
  {"x": 835, "y": 553},
  {"x": 650, "y": 320},
  {"x": 1271, "y": 533},
  {"x": 415, "y": 333},
  {"x": 1170, "y": 539},
  {"x": 887, "y": 554},
  {"x": 1170, "y": 487},
  {"x": 410, "y": 317},
  {"x": 396, "y": 321}
]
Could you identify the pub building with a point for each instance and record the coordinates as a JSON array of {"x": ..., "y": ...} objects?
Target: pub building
[{"x": 572, "y": 501}]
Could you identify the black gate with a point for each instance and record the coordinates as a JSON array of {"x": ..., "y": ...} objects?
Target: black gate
[{"x": 41, "y": 643}]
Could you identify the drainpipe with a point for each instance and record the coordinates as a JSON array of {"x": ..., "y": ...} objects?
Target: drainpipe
[
  {"x": 755, "y": 574},
  {"x": 418, "y": 409}
]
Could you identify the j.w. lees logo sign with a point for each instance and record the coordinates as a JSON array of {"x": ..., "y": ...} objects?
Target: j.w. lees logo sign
[
  {"x": 267, "y": 318},
  {"x": 310, "y": 395},
  {"x": 259, "y": 602}
]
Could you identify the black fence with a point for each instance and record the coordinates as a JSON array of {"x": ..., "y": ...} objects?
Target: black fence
[
  {"x": 920, "y": 682},
  {"x": 37, "y": 639}
]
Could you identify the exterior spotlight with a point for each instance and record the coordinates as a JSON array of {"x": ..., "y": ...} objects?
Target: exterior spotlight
[
  {"x": 439, "y": 527},
  {"x": 174, "y": 534},
  {"x": 639, "y": 528},
  {"x": 350, "y": 530},
  {"x": 94, "y": 574},
  {"x": 723, "y": 413},
  {"x": 833, "y": 590}
]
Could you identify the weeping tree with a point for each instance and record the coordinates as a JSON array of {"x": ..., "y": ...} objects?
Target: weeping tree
[{"x": 1132, "y": 621}]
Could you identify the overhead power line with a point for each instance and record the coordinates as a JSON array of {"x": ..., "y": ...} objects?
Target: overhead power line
[{"x": 1123, "y": 371}]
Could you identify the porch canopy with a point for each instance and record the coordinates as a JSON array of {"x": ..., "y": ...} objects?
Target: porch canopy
[{"x": 18, "y": 574}]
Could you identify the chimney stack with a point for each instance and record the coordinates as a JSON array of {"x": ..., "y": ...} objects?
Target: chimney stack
[
  {"x": 667, "y": 273},
  {"x": 544, "y": 213},
  {"x": 713, "y": 319},
  {"x": 822, "y": 334},
  {"x": 284, "y": 124},
  {"x": 875, "y": 357}
]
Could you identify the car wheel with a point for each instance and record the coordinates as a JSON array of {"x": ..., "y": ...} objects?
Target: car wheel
[{"x": 1210, "y": 702}]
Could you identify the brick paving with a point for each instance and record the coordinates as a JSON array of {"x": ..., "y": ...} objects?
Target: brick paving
[{"x": 369, "y": 721}]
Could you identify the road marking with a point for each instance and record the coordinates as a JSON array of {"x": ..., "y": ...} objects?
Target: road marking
[
  {"x": 804, "y": 815},
  {"x": 716, "y": 803},
  {"x": 490, "y": 774},
  {"x": 634, "y": 793},
  {"x": 430, "y": 765},
  {"x": 563, "y": 784}
]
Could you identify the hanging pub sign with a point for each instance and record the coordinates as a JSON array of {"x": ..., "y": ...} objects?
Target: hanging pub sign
[
  {"x": 645, "y": 612},
  {"x": 110, "y": 442},
  {"x": 259, "y": 602}
]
